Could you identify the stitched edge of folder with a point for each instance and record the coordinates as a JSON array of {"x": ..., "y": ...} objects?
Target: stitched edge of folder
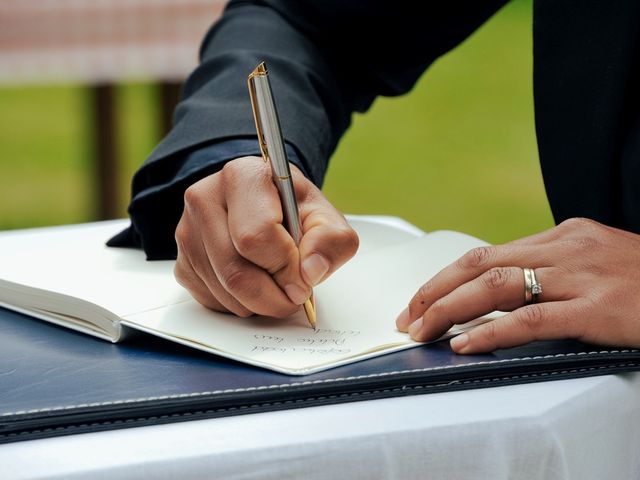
[
  {"x": 314, "y": 382},
  {"x": 248, "y": 408}
]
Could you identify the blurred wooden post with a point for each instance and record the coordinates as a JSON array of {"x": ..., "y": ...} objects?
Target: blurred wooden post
[
  {"x": 106, "y": 146},
  {"x": 169, "y": 98},
  {"x": 63, "y": 41}
]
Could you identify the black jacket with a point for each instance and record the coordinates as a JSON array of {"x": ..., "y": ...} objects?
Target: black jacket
[{"x": 333, "y": 57}]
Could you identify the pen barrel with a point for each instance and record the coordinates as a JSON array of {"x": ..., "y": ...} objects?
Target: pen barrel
[
  {"x": 272, "y": 148},
  {"x": 273, "y": 151},
  {"x": 289, "y": 208},
  {"x": 268, "y": 125}
]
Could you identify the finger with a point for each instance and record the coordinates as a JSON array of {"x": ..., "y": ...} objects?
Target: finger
[
  {"x": 540, "y": 321},
  {"x": 328, "y": 240},
  {"x": 194, "y": 272},
  {"x": 471, "y": 265},
  {"x": 256, "y": 228},
  {"x": 186, "y": 277},
  {"x": 249, "y": 284},
  {"x": 501, "y": 288}
]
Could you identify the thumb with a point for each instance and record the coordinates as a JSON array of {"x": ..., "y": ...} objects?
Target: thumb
[{"x": 327, "y": 243}]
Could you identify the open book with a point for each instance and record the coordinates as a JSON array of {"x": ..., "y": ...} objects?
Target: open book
[{"x": 66, "y": 275}]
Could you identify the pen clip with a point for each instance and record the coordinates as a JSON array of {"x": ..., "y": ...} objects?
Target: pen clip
[{"x": 259, "y": 71}]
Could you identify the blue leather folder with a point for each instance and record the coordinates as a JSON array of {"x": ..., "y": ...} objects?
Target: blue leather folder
[{"x": 54, "y": 381}]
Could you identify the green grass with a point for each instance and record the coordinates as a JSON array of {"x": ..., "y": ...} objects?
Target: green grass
[
  {"x": 46, "y": 151},
  {"x": 457, "y": 152}
]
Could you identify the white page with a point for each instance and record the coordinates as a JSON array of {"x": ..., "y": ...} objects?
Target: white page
[
  {"x": 75, "y": 261},
  {"x": 356, "y": 308},
  {"x": 45, "y": 269}
]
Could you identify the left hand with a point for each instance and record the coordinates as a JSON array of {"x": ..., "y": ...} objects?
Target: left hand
[{"x": 590, "y": 277}]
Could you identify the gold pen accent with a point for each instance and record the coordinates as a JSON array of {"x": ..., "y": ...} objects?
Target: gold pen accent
[
  {"x": 272, "y": 148},
  {"x": 310, "y": 309},
  {"x": 259, "y": 70}
]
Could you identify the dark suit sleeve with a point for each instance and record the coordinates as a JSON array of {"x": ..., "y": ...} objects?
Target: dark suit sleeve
[
  {"x": 587, "y": 102},
  {"x": 326, "y": 58}
]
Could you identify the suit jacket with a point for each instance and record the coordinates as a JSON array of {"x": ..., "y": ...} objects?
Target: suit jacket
[{"x": 334, "y": 58}]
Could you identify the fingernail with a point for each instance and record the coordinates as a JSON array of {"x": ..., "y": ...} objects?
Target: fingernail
[
  {"x": 415, "y": 328},
  {"x": 459, "y": 342},
  {"x": 314, "y": 268},
  {"x": 296, "y": 293},
  {"x": 403, "y": 320}
]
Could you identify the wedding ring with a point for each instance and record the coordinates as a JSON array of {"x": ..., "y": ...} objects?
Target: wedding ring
[{"x": 532, "y": 289}]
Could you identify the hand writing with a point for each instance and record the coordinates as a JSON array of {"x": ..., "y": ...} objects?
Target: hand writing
[
  {"x": 590, "y": 276},
  {"x": 234, "y": 254}
]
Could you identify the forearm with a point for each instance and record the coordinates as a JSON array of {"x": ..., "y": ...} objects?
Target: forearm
[{"x": 327, "y": 60}]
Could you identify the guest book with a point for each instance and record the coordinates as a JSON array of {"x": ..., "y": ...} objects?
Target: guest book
[{"x": 67, "y": 276}]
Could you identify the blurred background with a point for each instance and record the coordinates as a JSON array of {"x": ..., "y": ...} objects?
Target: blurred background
[{"x": 74, "y": 126}]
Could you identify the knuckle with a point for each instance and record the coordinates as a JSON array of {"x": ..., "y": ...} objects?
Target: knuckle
[
  {"x": 424, "y": 292},
  {"x": 595, "y": 267},
  {"x": 194, "y": 196},
  {"x": 577, "y": 223},
  {"x": 230, "y": 169},
  {"x": 584, "y": 243},
  {"x": 497, "y": 277},
  {"x": 234, "y": 171},
  {"x": 579, "y": 255},
  {"x": 249, "y": 241},
  {"x": 182, "y": 235},
  {"x": 349, "y": 240},
  {"x": 489, "y": 333},
  {"x": 208, "y": 300},
  {"x": 585, "y": 226},
  {"x": 180, "y": 273},
  {"x": 242, "y": 312},
  {"x": 198, "y": 264},
  {"x": 234, "y": 278},
  {"x": 438, "y": 309},
  {"x": 475, "y": 258},
  {"x": 531, "y": 318},
  {"x": 180, "y": 239}
]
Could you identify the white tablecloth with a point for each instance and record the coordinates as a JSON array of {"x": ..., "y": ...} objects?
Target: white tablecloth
[{"x": 579, "y": 429}]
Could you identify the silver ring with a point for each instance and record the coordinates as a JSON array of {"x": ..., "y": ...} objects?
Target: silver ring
[{"x": 532, "y": 289}]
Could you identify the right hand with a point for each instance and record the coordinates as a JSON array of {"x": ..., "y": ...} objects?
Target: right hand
[{"x": 234, "y": 254}]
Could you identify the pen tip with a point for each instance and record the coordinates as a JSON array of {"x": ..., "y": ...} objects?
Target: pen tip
[{"x": 310, "y": 310}]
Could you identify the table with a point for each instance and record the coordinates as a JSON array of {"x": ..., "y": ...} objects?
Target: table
[{"x": 583, "y": 428}]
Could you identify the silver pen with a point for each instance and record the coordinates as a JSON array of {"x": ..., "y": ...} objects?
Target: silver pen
[{"x": 272, "y": 149}]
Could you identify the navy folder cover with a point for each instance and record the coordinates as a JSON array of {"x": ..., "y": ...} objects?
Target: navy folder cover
[{"x": 54, "y": 381}]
